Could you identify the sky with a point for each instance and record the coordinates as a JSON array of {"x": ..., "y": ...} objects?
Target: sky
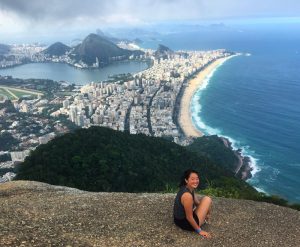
[{"x": 21, "y": 18}]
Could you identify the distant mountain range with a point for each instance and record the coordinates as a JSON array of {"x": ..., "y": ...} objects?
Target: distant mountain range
[{"x": 93, "y": 49}]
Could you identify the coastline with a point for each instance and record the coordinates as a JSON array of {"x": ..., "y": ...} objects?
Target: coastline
[
  {"x": 243, "y": 168},
  {"x": 185, "y": 117}
]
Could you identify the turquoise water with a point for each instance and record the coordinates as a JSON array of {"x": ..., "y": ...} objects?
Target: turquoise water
[
  {"x": 64, "y": 72},
  {"x": 254, "y": 100}
]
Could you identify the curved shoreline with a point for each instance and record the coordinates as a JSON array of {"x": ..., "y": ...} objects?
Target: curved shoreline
[
  {"x": 193, "y": 85},
  {"x": 244, "y": 167}
]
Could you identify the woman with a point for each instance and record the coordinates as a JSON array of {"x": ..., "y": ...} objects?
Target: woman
[{"x": 191, "y": 212}]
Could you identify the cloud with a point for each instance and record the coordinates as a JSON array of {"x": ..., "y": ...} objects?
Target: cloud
[
  {"x": 68, "y": 15},
  {"x": 145, "y": 10}
]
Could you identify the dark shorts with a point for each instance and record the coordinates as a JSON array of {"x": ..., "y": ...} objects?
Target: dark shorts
[{"x": 184, "y": 224}]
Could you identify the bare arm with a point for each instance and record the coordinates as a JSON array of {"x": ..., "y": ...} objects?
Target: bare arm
[{"x": 187, "y": 202}]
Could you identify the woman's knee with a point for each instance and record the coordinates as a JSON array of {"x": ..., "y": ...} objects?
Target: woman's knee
[{"x": 207, "y": 199}]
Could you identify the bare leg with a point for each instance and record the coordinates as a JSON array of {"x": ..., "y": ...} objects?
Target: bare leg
[{"x": 203, "y": 210}]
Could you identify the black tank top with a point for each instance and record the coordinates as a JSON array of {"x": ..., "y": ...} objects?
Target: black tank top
[{"x": 178, "y": 209}]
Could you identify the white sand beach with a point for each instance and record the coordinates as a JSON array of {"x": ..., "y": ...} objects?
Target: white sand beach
[{"x": 185, "y": 117}]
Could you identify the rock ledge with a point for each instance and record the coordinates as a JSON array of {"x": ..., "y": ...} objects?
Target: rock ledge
[{"x": 38, "y": 214}]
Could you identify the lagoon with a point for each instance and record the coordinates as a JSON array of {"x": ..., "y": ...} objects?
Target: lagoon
[{"x": 65, "y": 72}]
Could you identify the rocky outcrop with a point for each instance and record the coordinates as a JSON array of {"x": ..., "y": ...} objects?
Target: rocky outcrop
[
  {"x": 242, "y": 168},
  {"x": 38, "y": 214}
]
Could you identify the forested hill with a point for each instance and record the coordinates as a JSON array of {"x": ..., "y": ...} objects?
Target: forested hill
[{"x": 102, "y": 159}]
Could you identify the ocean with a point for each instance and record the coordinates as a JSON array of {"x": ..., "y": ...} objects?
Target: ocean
[{"x": 253, "y": 99}]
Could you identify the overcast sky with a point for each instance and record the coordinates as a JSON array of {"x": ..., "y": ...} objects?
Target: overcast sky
[{"x": 38, "y": 16}]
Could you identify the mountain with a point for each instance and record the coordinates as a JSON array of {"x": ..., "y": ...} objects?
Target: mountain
[
  {"x": 101, "y": 159},
  {"x": 57, "y": 49},
  {"x": 95, "y": 46},
  {"x": 39, "y": 214},
  {"x": 163, "y": 52},
  {"x": 4, "y": 49}
]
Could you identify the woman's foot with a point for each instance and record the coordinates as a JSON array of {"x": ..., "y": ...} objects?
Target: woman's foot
[{"x": 207, "y": 219}]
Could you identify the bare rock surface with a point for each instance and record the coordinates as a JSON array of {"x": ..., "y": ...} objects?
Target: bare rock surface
[{"x": 38, "y": 214}]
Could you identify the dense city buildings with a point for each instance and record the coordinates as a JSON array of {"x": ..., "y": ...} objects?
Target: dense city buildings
[{"x": 146, "y": 103}]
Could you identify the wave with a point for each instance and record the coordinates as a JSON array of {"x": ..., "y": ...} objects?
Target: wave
[
  {"x": 261, "y": 190},
  {"x": 206, "y": 129}
]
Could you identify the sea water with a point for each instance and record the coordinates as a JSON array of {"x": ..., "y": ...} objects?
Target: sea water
[{"x": 254, "y": 100}]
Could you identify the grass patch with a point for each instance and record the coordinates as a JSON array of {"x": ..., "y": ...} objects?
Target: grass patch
[
  {"x": 21, "y": 94},
  {"x": 15, "y": 93},
  {"x": 7, "y": 94}
]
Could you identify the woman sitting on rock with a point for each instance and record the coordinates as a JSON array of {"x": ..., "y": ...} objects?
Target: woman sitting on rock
[{"x": 190, "y": 212}]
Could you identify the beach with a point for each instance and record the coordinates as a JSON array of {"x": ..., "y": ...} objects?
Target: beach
[{"x": 185, "y": 117}]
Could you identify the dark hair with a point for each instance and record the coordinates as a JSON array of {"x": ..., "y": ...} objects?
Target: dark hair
[{"x": 186, "y": 176}]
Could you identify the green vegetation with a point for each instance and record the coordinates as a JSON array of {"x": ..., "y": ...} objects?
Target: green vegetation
[
  {"x": 9, "y": 108},
  {"x": 46, "y": 86},
  {"x": 15, "y": 93},
  {"x": 214, "y": 149},
  {"x": 7, "y": 141},
  {"x": 21, "y": 94},
  {"x": 7, "y": 94},
  {"x": 101, "y": 159}
]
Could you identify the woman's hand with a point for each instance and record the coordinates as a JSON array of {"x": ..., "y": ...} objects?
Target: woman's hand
[{"x": 205, "y": 234}]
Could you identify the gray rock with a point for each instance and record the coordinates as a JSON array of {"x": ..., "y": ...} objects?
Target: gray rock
[{"x": 38, "y": 214}]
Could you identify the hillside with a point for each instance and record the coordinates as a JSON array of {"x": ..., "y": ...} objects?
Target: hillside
[
  {"x": 219, "y": 150},
  {"x": 37, "y": 214},
  {"x": 95, "y": 46},
  {"x": 57, "y": 49},
  {"x": 101, "y": 159}
]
